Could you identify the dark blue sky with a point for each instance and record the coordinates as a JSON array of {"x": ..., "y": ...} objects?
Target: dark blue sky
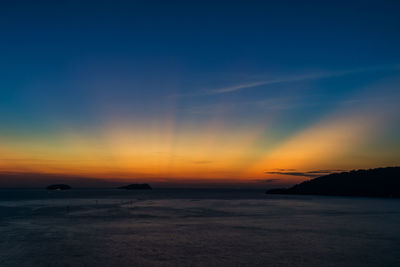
[{"x": 204, "y": 44}]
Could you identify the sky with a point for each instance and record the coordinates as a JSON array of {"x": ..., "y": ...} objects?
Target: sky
[{"x": 197, "y": 93}]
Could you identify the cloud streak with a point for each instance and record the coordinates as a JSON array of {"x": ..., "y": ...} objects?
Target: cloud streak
[
  {"x": 269, "y": 181},
  {"x": 298, "y": 78},
  {"x": 310, "y": 174}
]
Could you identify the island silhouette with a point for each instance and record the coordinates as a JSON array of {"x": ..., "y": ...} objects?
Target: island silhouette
[{"x": 379, "y": 182}]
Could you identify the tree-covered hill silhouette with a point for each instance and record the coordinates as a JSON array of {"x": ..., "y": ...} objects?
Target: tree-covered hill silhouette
[{"x": 379, "y": 182}]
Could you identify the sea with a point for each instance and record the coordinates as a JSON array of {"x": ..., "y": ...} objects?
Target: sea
[{"x": 195, "y": 227}]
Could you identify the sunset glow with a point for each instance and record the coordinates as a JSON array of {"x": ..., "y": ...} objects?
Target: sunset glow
[{"x": 122, "y": 104}]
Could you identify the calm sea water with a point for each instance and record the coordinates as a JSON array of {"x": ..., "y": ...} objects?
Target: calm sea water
[{"x": 183, "y": 227}]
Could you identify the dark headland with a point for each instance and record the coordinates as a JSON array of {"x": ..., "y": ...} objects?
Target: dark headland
[
  {"x": 58, "y": 187},
  {"x": 136, "y": 186},
  {"x": 380, "y": 182}
]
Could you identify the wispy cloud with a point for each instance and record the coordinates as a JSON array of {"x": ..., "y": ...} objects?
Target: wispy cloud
[
  {"x": 311, "y": 174},
  {"x": 298, "y": 78}
]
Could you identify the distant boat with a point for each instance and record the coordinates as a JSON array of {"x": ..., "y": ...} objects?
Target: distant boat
[
  {"x": 136, "y": 187},
  {"x": 58, "y": 187}
]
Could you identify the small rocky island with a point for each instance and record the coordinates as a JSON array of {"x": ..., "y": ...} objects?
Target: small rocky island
[
  {"x": 379, "y": 182},
  {"x": 136, "y": 187},
  {"x": 58, "y": 187}
]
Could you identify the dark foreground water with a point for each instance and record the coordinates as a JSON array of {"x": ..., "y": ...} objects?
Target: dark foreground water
[{"x": 170, "y": 227}]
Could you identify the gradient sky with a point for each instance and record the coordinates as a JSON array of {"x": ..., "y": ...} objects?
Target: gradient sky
[{"x": 198, "y": 93}]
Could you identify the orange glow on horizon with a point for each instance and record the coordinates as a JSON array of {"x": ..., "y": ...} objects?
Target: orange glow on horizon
[{"x": 211, "y": 151}]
